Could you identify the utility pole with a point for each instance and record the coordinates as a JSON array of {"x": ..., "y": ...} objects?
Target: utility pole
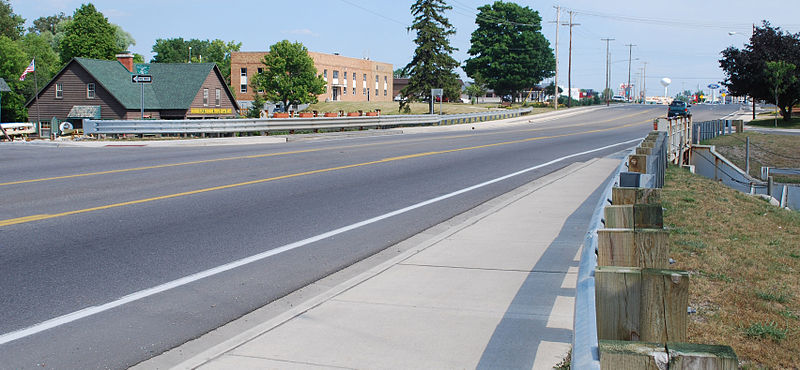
[
  {"x": 644, "y": 82},
  {"x": 630, "y": 59},
  {"x": 608, "y": 68},
  {"x": 754, "y": 99},
  {"x": 569, "y": 68},
  {"x": 555, "y": 81}
]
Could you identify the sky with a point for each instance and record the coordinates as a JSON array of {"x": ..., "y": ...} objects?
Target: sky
[{"x": 677, "y": 39}]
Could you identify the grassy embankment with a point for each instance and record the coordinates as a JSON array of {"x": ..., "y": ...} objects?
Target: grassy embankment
[{"x": 743, "y": 256}]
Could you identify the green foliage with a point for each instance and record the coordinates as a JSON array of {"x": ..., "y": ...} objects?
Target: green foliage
[
  {"x": 746, "y": 71},
  {"x": 10, "y": 23},
  {"x": 432, "y": 65},
  {"x": 766, "y": 331},
  {"x": 477, "y": 88},
  {"x": 176, "y": 50},
  {"x": 89, "y": 35},
  {"x": 122, "y": 38},
  {"x": 508, "y": 48},
  {"x": 258, "y": 104},
  {"x": 781, "y": 75},
  {"x": 289, "y": 75},
  {"x": 12, "y": 63},
  {"x": 48, "y": 24}
]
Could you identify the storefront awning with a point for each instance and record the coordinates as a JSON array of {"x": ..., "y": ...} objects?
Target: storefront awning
[{"x": 84, "y": 111}]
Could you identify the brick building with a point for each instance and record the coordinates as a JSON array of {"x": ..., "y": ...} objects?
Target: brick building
[{"x": 348, "y": 79}]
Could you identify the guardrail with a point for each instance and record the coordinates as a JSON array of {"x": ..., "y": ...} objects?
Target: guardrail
[
  {"x": 220, "y": 126},
  {"x": 585, "y": 344}
]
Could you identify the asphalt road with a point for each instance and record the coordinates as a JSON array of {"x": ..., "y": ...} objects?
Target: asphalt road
[{"x": 90, "y": 236}]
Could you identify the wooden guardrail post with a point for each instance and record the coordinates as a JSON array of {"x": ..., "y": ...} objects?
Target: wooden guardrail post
[
  {"x": 624, "y": 355},
  {"x": 641, "y": 304},
  {"x": 633, "y": 247},
  {"x": 620, "y": 196},
  {"x": 685, "y": 356},
  {"x": 634, "y": 216}
]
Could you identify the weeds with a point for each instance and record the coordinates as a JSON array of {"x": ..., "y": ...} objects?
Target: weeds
[{"x": 766, "y": 331}]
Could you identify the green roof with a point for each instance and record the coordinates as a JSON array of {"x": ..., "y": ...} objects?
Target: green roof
[{"x": 174, "y": 85}]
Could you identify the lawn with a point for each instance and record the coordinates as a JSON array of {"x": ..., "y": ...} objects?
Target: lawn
[
  {"x": 416, "y": 108},
  {"x": 768, "y": 150},
  {"x": 743, "y": 256},
  {"x": 769, "y": 121}
]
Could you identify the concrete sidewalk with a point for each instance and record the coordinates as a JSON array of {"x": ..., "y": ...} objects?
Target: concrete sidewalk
[{"x": 493, "y": 290}]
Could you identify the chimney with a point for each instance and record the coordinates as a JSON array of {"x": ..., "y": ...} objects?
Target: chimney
[{"x": 126, "y": 58}]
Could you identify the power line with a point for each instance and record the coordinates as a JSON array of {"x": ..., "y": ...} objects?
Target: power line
[{"x": 374, "y": 13}]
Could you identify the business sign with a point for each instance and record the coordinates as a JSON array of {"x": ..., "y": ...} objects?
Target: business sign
[
  {"x": 142, "y": 79},
  {"x": 210, "y": 110},
  {"x": 713, "y": 86}
]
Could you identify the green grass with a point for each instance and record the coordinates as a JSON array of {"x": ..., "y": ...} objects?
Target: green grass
[
  {"x": 794, "y": 123},
  {"x": 766, "y": 331},
  {"x": 771, "y": 296}
]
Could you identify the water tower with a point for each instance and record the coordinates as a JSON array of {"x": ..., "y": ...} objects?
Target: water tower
[{"x": 665, "y": 82}]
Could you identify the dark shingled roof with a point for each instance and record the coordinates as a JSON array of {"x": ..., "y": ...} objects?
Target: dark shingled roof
[
  {"x": 4, "y": 86},
  {"x": 174, "y": 85}
]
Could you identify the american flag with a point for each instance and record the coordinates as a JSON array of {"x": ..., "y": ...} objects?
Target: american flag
[{"x": 31, "y": 68}]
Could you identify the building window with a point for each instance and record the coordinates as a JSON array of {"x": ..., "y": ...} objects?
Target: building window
[
  {"x": 365, "y": 78},
  {"x": 365, "y": 91},
  {"x": 336, "y": 74},
  {"x": 354, "y": 91},
  {"x": 217, "y": 97},
  {"x": 325, "y": 74},
  {"x": 384, "y": 92},
  {"x": 59, "y": 91},
  {"x": 345, "y": 75},
  {"x": 243, "y": 72},
  {"x": 205, "y": 97},
  {"x": 243, "y": 88},
  {"x": 344, "y": 90},
  {"x": 90, "y": 90},
  {"x": 260, "y": 70}
]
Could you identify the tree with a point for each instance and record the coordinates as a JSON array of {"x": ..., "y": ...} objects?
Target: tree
[
  {"x": 10, "y": 23},
  {"x": 12, "y": 63},
  {"x": 398, "y": 73},
  {"x": 289, "y": 75},
  {"x": 122, "y": 39},
  {"x": 476, "y": 89},
  {"x": 258, "y": 105},
  {"x": 89, "y": 35},
  {"x": 550, "y": 89},
  {"x": 746, "y": 70},
  {"x": 176, "y": 50},
  {"x": 432, "y": 66},
  {"x": 48, "y": 24},
  {"x": 781, "y": 75},
  {"x": 508, "y": 48}
]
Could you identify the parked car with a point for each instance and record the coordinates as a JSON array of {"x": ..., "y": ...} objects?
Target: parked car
[{"x": 679, "y": 109}]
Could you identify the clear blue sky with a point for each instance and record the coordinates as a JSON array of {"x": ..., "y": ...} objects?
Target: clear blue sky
[{"x": 678, "y": 39}]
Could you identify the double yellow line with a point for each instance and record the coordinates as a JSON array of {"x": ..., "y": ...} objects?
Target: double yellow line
[{"x": 26, "y": 219}]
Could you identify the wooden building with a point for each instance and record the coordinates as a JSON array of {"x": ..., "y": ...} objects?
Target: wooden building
[{"x": 103, "y": 89}]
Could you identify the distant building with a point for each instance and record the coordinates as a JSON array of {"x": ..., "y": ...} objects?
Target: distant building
[
  {"x": 348, "y": 79},
  {"x": 102, "y": 89}
]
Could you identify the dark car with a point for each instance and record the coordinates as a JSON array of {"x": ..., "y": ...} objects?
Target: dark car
[{"x": 679, "y": 109}]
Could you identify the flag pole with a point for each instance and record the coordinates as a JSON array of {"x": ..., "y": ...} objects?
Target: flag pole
[{"x": 36, "y": 91}]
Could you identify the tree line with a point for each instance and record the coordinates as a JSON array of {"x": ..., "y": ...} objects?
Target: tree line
[{"x": 54, "y": 40}]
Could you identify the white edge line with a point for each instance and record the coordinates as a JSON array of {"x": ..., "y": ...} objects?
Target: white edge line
[{"x": 89, "y": 311}]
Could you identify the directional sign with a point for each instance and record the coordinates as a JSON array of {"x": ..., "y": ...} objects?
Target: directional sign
[
  {"x": 143, "y": 79},
  {"x": 713, "y": 86}
]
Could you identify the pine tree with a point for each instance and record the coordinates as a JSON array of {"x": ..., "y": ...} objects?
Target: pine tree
[{"x": 432, "y": 66}]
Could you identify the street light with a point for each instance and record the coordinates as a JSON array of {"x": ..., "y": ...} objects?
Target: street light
[{"x": 190, "y": 54}]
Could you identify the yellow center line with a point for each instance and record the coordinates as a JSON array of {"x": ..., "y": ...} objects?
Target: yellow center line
[
  {"x": 255, "y": 156},
  {"x": 26, "y": 219}
]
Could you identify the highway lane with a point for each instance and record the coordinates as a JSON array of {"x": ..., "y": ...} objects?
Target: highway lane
[{"x": 56, "y": 266}]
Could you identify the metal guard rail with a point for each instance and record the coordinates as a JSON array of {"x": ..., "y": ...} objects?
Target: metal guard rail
[{"x": 285, "y": 124}]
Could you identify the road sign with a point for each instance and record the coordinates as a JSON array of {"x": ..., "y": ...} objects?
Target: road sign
[
  {"x": 437, "y": 92},
  {"x": 142, "y": 79},
  {"x": 142, "y": 69},
  {"x": 713, "y": 86}
]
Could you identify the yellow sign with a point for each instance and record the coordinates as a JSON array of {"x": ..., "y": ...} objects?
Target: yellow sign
[{"x": 210, "y": 111}]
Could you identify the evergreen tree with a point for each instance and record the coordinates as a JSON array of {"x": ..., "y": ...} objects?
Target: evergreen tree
[
  {"x": 508, "y": 48},
  {"x": 89, "y": 35},
  {"x": 432, "y": 66}
]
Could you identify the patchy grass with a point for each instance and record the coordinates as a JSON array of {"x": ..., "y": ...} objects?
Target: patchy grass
[
  {"x": 766, "y": 150},
  {"x": 739, "y": 251},
  {"x": 793, "y": 123},
  {"x": 416, "y": 108}
]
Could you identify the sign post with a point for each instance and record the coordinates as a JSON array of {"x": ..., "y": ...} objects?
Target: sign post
[
  {"x": 142, "y": 78},
  {"x": 434, "y": 94}
]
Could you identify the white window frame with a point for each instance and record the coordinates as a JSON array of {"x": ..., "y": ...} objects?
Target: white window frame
[
  {"x": 205, "y": 97},
  {"x": 218, "y": 97},
  {"x": 59, "y": 91},
  {"x": 90, "y": 90}
]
